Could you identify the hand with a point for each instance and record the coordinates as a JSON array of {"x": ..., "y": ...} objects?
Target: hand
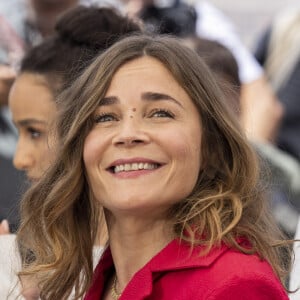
[
  {"x": 4, "y": 227},
  {"x": 30, "y": 291},
  {"x": 31, "y": 294}
]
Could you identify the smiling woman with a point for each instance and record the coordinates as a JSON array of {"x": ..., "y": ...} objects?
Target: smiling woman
[{"x": 148, "y": 138}]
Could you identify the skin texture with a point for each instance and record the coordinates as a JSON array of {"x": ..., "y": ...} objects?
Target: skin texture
[
  {"x": 144, "y": 117},
  {"x": 33, "y": 110}
]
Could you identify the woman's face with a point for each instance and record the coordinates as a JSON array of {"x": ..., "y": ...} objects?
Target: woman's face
[
  {"x": 33, "y": 110},
  {"x": 143, "y": 153}
]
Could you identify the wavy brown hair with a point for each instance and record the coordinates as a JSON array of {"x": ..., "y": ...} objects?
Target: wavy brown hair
[{"x": 225, "y": 206}]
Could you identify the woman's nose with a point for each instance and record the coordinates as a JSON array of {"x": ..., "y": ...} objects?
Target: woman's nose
[
  {"x": 23, "y": 159},
  {"x": 131, "y": 132}
]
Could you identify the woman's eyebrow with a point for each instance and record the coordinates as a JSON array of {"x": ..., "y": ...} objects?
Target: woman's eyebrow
[
  {"x": 109, "y": 101},
  {"x": 147, "y": 96},
  {"x": 28, "y": 122},
  {"x": 152, "y": 96}
]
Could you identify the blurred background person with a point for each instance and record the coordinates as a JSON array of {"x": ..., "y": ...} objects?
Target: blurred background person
[
  {"x": 11, "y": 180},
  {"x": 279, "y": 52}
]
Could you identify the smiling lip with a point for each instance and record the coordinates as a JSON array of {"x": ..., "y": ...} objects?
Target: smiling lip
[{"x": 134, "y": 167}]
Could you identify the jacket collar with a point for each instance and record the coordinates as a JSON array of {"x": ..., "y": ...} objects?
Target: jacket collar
[{"x": 177, "y": 255}]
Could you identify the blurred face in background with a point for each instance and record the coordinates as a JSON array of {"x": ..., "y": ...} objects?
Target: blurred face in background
[{"x": 33, "y": 111}]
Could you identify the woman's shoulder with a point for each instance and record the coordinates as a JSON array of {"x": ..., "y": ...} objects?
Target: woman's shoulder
[
  {"x": 180, "y": 255},
  {"x": 222, "y": 273},
  {"x": 235, "y": 261},
  {"x": 234, "y": 273}
]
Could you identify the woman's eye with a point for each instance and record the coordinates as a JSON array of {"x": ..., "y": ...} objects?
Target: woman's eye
[
  {"x": 162, "y": 113},
  {"x": 105, "y": 118},
  {"x": 34, "y": 134}
]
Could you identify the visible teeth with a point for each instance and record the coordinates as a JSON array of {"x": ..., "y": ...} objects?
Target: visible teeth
[{"x": 134, "y": 167}]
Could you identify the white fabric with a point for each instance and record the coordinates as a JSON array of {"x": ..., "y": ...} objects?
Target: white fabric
[
  {"x": 213, "y": 24},
  {"x": 10, "y": 264}
]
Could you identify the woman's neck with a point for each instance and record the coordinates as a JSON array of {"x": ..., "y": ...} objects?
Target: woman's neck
[{"x": 133, "y": 242}]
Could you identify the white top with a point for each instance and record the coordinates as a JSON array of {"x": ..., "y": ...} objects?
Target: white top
[
  {"x": 10, "y": 265},
  {"x": 214, "y": 25}
]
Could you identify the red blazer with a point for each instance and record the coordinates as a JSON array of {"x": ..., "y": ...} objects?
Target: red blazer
[{"x": 176, "y": 273}]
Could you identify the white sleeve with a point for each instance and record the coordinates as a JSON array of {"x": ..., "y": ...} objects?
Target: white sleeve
[
  {"x": 10, "y": 265},
  {"x": 214, "y": 25}
]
